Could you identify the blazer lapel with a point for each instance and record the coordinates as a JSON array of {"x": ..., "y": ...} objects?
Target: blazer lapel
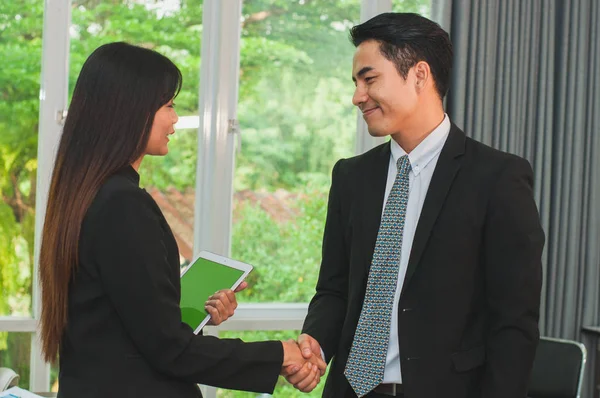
[
  {"x": 375, "y": 182},
  {"x": 447, "y": 166}
]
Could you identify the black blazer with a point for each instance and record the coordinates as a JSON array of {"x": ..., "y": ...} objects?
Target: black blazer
[
  {"x": 124, "y": 334},
  {"x": 469, "y": 307}
]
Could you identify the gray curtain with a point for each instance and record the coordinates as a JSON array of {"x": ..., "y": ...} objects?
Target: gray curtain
[{"x": 526, "y": 80}]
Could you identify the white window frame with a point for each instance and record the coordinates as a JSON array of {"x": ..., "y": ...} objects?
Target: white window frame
[{"x": 216, "y": 152}]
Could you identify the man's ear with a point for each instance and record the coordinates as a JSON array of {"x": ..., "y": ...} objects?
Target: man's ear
[{"x": 422, "y": 75}]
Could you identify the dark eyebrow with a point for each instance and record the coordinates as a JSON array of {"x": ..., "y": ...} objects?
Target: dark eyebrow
[{"x": 362, "y": 72}]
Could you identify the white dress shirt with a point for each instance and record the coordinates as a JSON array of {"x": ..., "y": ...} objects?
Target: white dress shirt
[{"x": 423, "y": 160}]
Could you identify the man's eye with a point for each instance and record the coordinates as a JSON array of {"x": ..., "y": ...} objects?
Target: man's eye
[{"x": 369, "y": 79}]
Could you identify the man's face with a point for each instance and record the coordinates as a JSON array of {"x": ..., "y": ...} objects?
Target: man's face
[{"x": 386, "y": 99}]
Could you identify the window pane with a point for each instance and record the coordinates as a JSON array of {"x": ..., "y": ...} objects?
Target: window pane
[
  {"x": 15, "y": 349},
  {"x": 297, "y": 119},
  {"x": 422, "y": 7},
  {"x": 20, "y": 51},
  {"x": 173, "y": 28},
  {"x": 283, "y": 388},
  {"x": 54, "y": 377}
]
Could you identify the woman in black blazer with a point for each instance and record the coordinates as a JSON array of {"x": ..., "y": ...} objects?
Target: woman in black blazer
[{"x": 109, "y": 264}]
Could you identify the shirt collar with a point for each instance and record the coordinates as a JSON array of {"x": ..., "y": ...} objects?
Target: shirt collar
[{"x": 427, "y": 149}]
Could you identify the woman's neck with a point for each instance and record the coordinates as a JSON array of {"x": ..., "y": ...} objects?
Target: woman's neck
[{"x": 137, "y": 163}]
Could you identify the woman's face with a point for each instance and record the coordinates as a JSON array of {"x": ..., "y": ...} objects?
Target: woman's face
[{"x": 163, "y": 126}]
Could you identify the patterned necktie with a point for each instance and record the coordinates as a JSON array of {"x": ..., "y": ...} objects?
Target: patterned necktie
[{"x": 366, "y": 362}]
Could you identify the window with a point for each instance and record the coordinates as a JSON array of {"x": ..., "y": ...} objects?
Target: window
[
  {"x": 15, "y": 354},
  {"x": 20, "y": 50},
  {"x": 422, "y": 7},
  {"x": 296, "y": 119}
]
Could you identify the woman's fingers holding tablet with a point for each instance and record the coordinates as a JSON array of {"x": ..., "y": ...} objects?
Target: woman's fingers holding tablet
[
  {"x": 221, "y": 306},
  {"x": 241, "y": 287}
]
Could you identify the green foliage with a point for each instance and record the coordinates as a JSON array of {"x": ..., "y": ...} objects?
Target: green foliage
[
  {"x": 416, "y": 6},
  {"x": 287, "y": 255},
  {"x": 17, "y": 355},
  {"x": 20, "y": 49},
  {"x": 294, "y": 131},
  {"x": 296, "y": 117},
  {"x": 256, "y": 52},
  {"x": 15, "y": 273}
]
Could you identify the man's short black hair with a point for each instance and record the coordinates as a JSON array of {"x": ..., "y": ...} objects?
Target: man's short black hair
[{"x": 406, "y": 39}]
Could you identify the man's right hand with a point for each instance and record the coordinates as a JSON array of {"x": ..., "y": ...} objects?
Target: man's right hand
[
  {"x": 305, "y": 372},
  {"x": 303, "y": 378},
  {"x": 311, "y": 349}
]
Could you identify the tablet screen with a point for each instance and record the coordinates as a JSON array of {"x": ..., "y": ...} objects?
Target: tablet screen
[{"x": 202, "y": 279}]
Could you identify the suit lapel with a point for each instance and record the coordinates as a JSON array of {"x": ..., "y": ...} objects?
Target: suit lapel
[
  {"x": 447, "y": 166},
  {"x": 375, "y": 182}
]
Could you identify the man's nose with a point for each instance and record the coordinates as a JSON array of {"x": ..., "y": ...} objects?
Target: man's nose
[{"x": 360, "y": 96}]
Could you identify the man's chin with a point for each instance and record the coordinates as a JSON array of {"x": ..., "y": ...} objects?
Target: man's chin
[{"x": 374, "y": 132}]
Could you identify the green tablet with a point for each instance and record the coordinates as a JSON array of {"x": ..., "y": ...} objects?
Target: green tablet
[{"x": 207, "y": 274}]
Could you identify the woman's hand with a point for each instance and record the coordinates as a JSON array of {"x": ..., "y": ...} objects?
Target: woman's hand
[
  {"x": 221, "y": 305},
  {"x": 303, "y": 374}
]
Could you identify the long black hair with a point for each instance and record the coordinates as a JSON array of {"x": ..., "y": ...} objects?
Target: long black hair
[{"x": 118, "y": 92}]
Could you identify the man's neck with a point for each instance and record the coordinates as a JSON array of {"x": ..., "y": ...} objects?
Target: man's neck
[{"x": 410, "y": 137}]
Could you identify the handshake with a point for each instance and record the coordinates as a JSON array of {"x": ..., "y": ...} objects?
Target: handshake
[{"x": 303, "y": 365}]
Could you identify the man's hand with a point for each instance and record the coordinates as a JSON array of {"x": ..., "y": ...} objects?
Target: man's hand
[
  {"x": 301, "y": 377},
  {"x": 303, "y": 374},
  {"x": 311, "y": 349},
  {"x": 221, "y": 305}
]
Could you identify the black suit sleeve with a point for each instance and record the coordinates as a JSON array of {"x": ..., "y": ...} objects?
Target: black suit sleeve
[
  {"x": 327, "y": 309},
  {"x": 513, "y": 243},
  {"x": 132, "y": 260}
]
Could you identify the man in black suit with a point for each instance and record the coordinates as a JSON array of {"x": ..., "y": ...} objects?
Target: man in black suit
[{"x": 431, "y": 272}]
